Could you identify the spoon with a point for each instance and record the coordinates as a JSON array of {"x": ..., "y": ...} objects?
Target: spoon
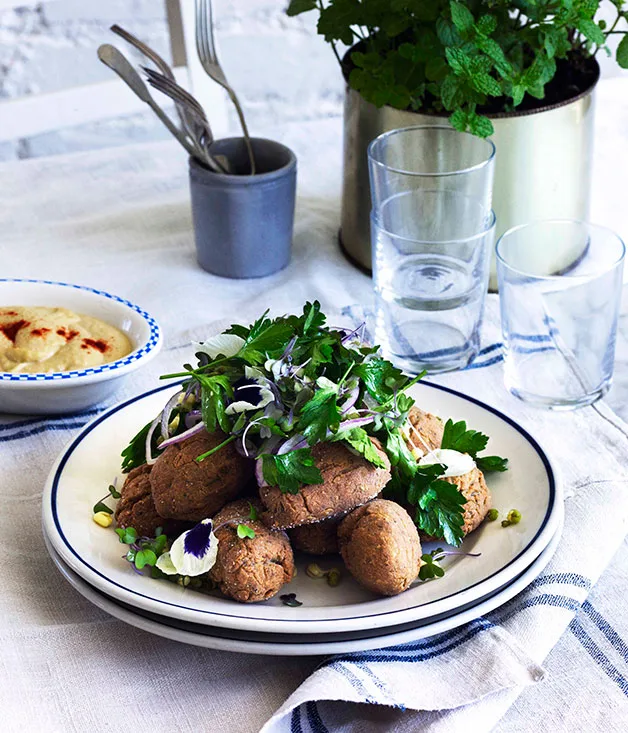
[{"x": 115, "y": 60}]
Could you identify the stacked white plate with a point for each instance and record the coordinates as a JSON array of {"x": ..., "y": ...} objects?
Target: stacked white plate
[{"x": 331, "y": 620}]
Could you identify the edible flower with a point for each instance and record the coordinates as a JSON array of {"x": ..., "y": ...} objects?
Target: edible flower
[
  {"x": 456, "y": 463},
  {"x": 252, "y": 392},
  {"x": 193, "y": 553},
  {"x": 226, "y": 344}
]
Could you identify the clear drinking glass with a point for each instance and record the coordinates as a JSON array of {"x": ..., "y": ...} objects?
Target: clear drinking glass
[
  {"x": 431, "y": 158},
  {"x": 560, "y": 288},
  {"x": 432, "y": 232}
]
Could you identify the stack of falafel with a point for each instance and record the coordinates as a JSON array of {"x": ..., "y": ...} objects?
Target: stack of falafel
[{"x": 377, "y": 539}]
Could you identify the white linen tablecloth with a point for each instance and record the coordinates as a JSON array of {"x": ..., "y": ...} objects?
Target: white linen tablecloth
[{"x": 119, "y": 220}]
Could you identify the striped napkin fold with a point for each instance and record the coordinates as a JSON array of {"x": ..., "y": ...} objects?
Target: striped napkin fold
[{"x": 466, "y": 679}]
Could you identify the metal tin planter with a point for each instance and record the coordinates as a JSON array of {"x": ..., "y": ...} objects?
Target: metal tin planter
[{"x": 542, "y": 166}]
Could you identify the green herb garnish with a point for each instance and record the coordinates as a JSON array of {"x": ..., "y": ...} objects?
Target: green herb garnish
[
  {"x": 457, "y": 437},
  {"x": 100, "y": 506},
  {"x": 245, "y": 531},
  {"x": 280, "y": 386}
]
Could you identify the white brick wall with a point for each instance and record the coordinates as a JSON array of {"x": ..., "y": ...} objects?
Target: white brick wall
[{"x": 280, "y": 67}]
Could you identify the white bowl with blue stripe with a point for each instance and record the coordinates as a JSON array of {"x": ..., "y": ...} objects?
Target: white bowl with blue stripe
[{"x": 72, "y": 391}]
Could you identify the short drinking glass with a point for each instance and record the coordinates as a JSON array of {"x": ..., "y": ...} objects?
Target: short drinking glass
[
  {"x": 560, "y": 288},
  {"x": 432, "y": 233}
]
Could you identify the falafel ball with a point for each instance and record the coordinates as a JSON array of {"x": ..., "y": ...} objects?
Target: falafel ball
[
  {"x": 184, "y": 488},
  {"x": 253, "y": 568},
  {"x": 136, "y": 507},
  {"x": 474, "y": 489},
  {"x": 316, "y": 539},
  {"x": 425, "y": 432},
  {"x": 380, "y": 546},
  {"x": 349, "y": 480}
]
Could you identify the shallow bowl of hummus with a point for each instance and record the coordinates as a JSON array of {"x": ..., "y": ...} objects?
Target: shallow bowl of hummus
[{"x": 64, "y": 348}]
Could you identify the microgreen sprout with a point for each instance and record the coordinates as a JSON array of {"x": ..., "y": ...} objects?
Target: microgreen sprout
[
  {"x": 100, "y": 506},
  {"x": 143, "y": 551},
  {"x": 245, "y": 531},
  {"x": 431, "y": 568}
]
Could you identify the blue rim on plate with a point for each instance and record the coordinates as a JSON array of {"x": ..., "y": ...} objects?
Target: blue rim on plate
[
  {"x": 146, "y": 348},
  {"x": 74, "y": 444}
]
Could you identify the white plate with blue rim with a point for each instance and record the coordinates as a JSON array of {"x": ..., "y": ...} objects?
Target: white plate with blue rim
[
  {"x": 87, "y": 467},
  {"x": 315, "y": 644},
  {"x": 53, "y": 393}
]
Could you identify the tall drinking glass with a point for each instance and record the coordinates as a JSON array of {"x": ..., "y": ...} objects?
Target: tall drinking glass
[
  {"x": 560, "y": 305},
  {"x": 432, "y": 233}
]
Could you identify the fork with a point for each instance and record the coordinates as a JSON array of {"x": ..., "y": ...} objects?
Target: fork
[
  {"x": 194, "y": 112},
  {"x": 206, "y": 48},
  {"x": 159, "y": 62}
]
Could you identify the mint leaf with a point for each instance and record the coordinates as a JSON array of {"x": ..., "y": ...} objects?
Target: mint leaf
[
  {"x": 486, "y": 25},
  {"x": 462, "y": 17},
  {"x": 253, "y": 513},
  {"x": 291, "y": 470},
  {"x": 297, "y": 7},
  {"x": 591, "y": 31},
  {"x": 622, "y": 52},
  {"x": 480, "y": 125}
]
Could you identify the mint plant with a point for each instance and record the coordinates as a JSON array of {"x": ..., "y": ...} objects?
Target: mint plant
[{"x": 460, "y": 56}]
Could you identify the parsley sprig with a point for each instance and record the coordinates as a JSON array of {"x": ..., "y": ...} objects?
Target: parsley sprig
[{"x": 457, "y": 437}]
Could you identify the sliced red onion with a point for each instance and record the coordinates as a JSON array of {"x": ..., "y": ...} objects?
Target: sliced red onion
[
  {"x": 270, "y": 444},
  {"x": 351, "y": 334},
  {"x": 183, "y": 436},
  {"x": 192, "y": 418},
  {"x": 352, "y": 398},
  {"x": 149, "y": 440},
  {"x": 357, "y": 422},
  {"x": 165, "y": 415},
  {"x": 259, "y": 473},
  {"x": 289, "y": 348},
  {"x": 293, "y": 443}
]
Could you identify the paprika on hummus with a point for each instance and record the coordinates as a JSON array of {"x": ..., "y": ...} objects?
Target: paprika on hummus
[{"x": 37, "y": 339}]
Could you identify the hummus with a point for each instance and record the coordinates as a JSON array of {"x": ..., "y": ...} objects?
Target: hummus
[{"x": 36, "y": 339}]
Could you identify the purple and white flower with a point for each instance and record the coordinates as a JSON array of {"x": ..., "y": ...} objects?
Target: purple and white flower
[
  {"x": 252, "y": 392},
  {"x": 193, "y": 553}
]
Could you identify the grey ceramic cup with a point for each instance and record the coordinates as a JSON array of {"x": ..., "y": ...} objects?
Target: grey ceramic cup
[{"x": 243, "y": 224}]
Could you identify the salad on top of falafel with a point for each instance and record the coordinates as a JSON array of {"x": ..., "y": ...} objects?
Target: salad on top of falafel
[{"x": 322, "y": 424}]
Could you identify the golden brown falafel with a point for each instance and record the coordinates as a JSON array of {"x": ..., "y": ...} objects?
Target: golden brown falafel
[
  {"x": 184, "y": 488},
  {"x": 349, "y": 480},
  {"x": 253, "y": 568},
  {"x": 425, "y": 432},
  {"x": 380, "y": 546},
  {"x": 320, "y": 538}
]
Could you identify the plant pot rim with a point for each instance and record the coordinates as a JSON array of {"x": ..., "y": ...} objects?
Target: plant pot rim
[
  {"x": 346, "y": 62},
  {"x": 197, "y": 169}
]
